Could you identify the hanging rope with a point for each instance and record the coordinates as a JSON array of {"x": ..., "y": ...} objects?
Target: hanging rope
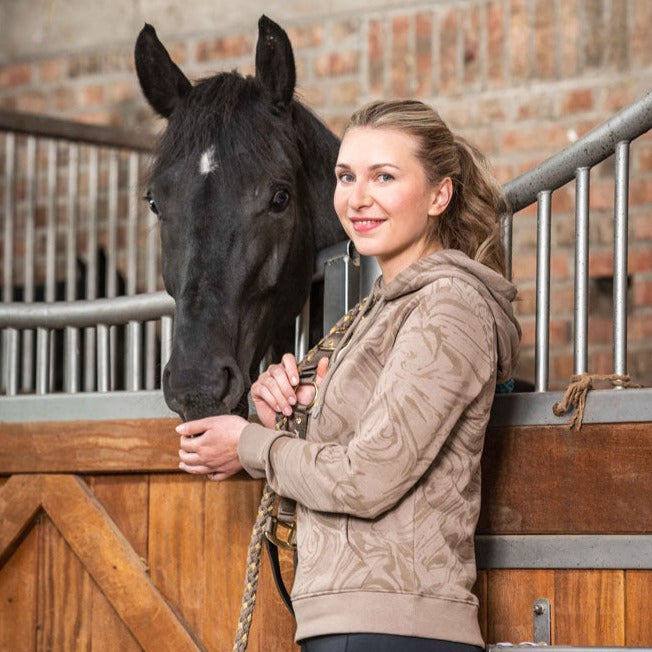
[
  {"x": 253, "y": 568},
  {"x": 575, "y": 396}
]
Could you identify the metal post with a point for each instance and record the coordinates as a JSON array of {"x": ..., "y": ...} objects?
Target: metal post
[
  {"x": 27, "y": 375},
  {"x": 90, "y": 335},
  {"x": 302, "y": 331},
  {"x": 506, "y": 224},
  {"x": 620, "y": 258},
  {"x": 9, "y": 352},
  {"x": 581, "y": 318},
  {"x": 542, "y": 292},
  {"x": 71, "y": 347}
]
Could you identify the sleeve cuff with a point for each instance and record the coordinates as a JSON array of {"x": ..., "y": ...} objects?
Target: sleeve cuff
[{"x": 253, "y": 448}]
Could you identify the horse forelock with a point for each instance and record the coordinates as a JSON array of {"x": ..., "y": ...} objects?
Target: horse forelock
[{"x": 227, "y": 118}]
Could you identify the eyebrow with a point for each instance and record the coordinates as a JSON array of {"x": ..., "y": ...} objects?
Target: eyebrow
[{"x": 375, "y": 166}]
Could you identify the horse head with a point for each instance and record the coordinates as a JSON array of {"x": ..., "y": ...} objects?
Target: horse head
[{"x": 242, "y": 185}]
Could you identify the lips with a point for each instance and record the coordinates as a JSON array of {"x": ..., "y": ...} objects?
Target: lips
[{"x": 365, "y": 224}]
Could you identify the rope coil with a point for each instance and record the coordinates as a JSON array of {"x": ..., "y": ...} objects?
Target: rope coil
[{"x": 577, "y": 391}]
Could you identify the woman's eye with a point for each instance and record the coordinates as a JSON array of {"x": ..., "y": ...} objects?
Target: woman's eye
[
  {"x": 385, "y": 176},
  {"x": 152, "y": 204},
  {"x": 345, "y": 177},
  {"x": 280, "y": 200}
]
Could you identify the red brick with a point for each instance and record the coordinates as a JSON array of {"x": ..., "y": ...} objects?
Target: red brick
[
  {"x": 527, "y": 138},
  {"x": 18, "y": 74},
  {"x": 617, "y": 45},
  {"x": 594, "y": 33},
  {"x": 639, "y": 260},
  {"x": 520, "y": 37},
  {"x": 306, "y": 36},
  {"x": 120, "y": 91},
  {"x": 448, "y": 73},
  {"x": 63, "y": 98},
  {"x": 495, "y": 44},
  {"x": 334, "y": 64},
  {"x": 51, "y": 70},
  {"x": 545, "y": 51},
  {"x": 376, "y": 57},
  {"x": 225, "y": 47},
  {"x": 577, "y": 100},
  {"x": 601, "y": 263},
  {"x": 345, "y": 94},
  {"x": 400, "y": 67},
  {"x": 569, "y": 38},
  {"x": 423, "y": 55},
  {"x": 641, "y": 52},
  {"x": 558, "y": 334},
  {"x": 642, "y": 292},
  {"x": 471, "y": 44},
  {"x": 93, "y": 94},
  {"x": 33, "y": 102},
  {"x": 344, "y": 29},
  {"x": 562, "y": 365},
  {"x": 641, "y": 226},
  {"x": 178, "y": 52},
  {"x": 618, "y": 96}
]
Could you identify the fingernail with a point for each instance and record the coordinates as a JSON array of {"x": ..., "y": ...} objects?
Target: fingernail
[
  {"x": 180, "y": 428},
  {"x": 287, "y": 411},
  {"x": 292, "y": 400},
  {"x": 294, "y": 380}
]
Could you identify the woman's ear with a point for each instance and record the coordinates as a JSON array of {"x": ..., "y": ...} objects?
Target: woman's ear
[{"x": 441, "y": 197}]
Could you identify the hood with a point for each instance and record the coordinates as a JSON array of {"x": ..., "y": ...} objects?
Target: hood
[{"x": 495, "y": 289}]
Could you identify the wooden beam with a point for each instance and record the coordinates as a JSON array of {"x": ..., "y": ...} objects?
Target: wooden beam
[
  {"x": 141, "y": 445},
  {"x": 20, "y": 499},
  {"x": 118, "y": 571}
]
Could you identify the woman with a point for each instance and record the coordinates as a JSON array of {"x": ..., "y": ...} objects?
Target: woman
[{"x": 388, "y": 479}]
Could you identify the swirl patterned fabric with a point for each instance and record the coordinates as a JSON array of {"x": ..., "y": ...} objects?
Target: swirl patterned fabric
[{"x": 388, "y": 479}]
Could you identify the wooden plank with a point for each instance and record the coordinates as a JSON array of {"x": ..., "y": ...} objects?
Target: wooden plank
[
  {"x": 480, "y": 590},
  {"x": 589, "y": 607},
  {"x": 510, "y": 600},
  {"x": 63, "y": 590},
  {"x": 177, "y": 553},
  {"x": 99, "y": 446},
  {"x": 20, "y": 499},
  {"x": 638, "y": 608},
  {"x": 18, "y": 596},
  {"x": 554, "y": 480},
  {"x": 113, "y": 564}
]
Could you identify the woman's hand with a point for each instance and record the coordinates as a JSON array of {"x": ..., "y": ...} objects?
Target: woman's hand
[
  {"x": 277, "y": 389},
  {"x": 210, "y": 446}
]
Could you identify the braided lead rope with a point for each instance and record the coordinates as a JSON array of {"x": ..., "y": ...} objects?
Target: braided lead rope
[
  {"x": 578, "y": 388},
  {"x": 253, "y": 568}
]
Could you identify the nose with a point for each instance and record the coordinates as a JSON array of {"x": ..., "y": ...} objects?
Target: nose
[{"x": 359, "y": 196}]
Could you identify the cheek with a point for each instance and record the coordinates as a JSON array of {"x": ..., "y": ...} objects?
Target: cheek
[{"x": 340, "y": 202}]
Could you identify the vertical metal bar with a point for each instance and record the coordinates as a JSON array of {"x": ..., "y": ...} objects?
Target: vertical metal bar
[
  {"x": 71, "y": 347},
  {"x": 27, "y": 372},
  {"x": 167, "y": 325},
  {"x": 103, "y": 378},
  {"x": 620, "y": 258},
  {"x": 42, "y": 360},
  {"x": 45, "y": 361},
  {"x": 542, "y": 292},
  {"x": 133, "y": 331},
  {"x": 302, "y": 331},
  {"x": 91, "y": 267},
  {"x": 581, "y": 304},
  {"x": 506, "y": 229},
  {"x": 111, "y": 266},
  {"x": 9, "y": 376}
]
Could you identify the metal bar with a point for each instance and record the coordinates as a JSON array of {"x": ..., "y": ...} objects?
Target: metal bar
[
  {"x": 59, "y": 314},
  {"x": 134, "y": 356},
  {"x": 10, "y": 362},
  {"x": 542, "y": 292},
  {"x": 103, "y": 367},
  {"x": 91, "y": 267},
  {"x": 581, "y": 302},
  {"x": 150, "y": 355},
  {"x": 132, "y": 225},
  {"x": 590, "y": 150},
  {"x": 71, "y": 337},
  {"x": 10, "y": 216},
  {"x": 51, "y": 225},
  {"x": 620, "y": 258},
  {"x": 42, "y": 360},
  {"x": 167, "y": 326},
  {"x": 28, "y": 123},
  {"x": 71, "y": 361},
  {"x": 27, "y": 375},
  {"x": 506, "y": 230},
  {"x": 111, "y": 249}
]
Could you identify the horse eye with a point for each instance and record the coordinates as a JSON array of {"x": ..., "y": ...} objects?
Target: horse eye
[
  {"x": 152, "y": 204},
  {"x": 280, "y": 200}
]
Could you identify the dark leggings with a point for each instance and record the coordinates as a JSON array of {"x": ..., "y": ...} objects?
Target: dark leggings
[{"x": 381, "y": 643}]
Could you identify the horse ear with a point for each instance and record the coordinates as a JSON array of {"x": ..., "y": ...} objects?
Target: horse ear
[
  {"x": 275, "y": 62},
  {"x": 163, "y": 83}
]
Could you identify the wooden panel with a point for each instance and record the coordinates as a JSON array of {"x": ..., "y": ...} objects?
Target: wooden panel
[
  {"x": 100, "y": 446},
  {"x": 18, "y": 595},
  {"x": 177, "y": 551},
  {"x": 510, "y": 599},
  {"x": 480, "y": 590},
  {"x": 20, "y": 499},
  {"x": 63, "y": 592},
  {"x": 638, "y": 608},
  {"x": 112, "y": 563},
  {"x": 589, "y": 607},
  {"x": 554, "y": 480}
]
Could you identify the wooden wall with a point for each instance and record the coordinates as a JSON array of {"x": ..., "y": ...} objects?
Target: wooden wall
[{"x": 104, "y": 545}]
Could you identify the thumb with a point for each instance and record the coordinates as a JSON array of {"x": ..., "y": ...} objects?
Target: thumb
[{"x": 322, "y": 369}]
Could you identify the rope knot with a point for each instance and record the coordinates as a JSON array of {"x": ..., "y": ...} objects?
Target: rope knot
[{"x": 577, "y": 391}]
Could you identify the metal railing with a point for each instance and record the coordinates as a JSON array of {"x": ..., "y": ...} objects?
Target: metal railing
[{"x": 346, "y": 281}]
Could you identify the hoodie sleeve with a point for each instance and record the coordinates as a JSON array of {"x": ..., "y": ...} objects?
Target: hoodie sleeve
[{"x": 443, "y": 359}]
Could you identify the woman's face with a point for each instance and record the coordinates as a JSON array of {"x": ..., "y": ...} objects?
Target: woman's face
[{"x": 383, "y": 198}]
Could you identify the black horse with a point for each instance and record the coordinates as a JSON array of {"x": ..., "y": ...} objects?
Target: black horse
[{"x": 242, "y": 184}]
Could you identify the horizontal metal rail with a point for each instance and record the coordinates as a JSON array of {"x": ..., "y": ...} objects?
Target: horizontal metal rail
[{"x": 79, "y": 132}]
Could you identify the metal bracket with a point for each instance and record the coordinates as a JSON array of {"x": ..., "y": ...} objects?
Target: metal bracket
[{"x": 542, "y": 621}]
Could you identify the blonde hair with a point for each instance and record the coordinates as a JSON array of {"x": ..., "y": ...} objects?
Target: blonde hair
[{"x": 470, "y": 222}]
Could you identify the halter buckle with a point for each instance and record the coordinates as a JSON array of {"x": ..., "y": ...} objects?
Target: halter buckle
[{"x": 286, "y": 538}]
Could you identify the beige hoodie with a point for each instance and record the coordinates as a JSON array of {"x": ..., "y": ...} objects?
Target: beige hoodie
[{"x": 388, "y": 478}]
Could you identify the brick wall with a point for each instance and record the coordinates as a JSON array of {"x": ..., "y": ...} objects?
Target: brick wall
[{"x": 520, "y": 78}]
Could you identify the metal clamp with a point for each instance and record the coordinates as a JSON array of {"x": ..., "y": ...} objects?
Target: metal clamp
[
  {"x": 287, "y": 539},
  {"x": 542, "y": 621}
]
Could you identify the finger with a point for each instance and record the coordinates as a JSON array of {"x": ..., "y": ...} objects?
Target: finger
[
  {"x": 195, "y": 469},
  {"x": 322, "y": 370},
  {"x": 279, "y": 386},
  {"x": 262, "y": 394},
  {"x": 193, "y": 427},
  {"x": 189, "y": 458},
  {"x": 289, "y": 363}
]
